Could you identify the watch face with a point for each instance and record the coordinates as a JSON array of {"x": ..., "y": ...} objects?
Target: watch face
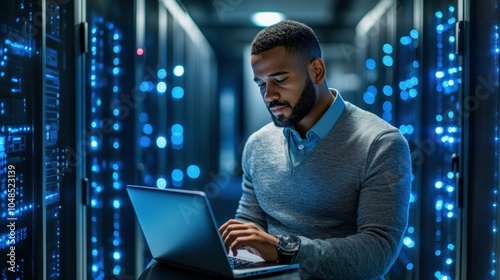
[{"x": 289, "y": 243}]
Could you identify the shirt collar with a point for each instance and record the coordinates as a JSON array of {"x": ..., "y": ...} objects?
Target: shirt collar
[{"x": 326, "y": 122}]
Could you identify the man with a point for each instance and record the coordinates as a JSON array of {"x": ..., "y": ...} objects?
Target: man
[{"x": 328, "y": 184}]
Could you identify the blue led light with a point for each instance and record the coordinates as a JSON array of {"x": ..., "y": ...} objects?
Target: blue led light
[
  {"x": 116, "y": 61},
  {"x": 408, "y": 242},
  {"x": 116, "y": 112},
  {"x": 193, "y": 171},
  {"x": 143, "y": 117},
  {"x": 116, "y": 145},
  {"x": 177, "y": 92},
  {"x": 414, "y": 34},
  {"x": 387, "y": 60},
  {"x": 144, "y": 86},
  {"x": 402, "y": 128},
  {"x": 177, "y": 129},
  {"x": 451, "y": 56},
  {"x": 439, "y": 118},
  {"x": 116, "y": 49},
  {"x": 413, "y": 81},
  {"x": 387, "y": 116},
  {"x": 147, "y": 129},
  {"x": 439, "y": 205},
  {"x": 116, "y": 126},
  {"x": 387, "y": 90},
  {"x": 404, "y": 95},
  {"x": 115, "y": 89},
  {"x": 369, "y": 97},
  {"x": 162, "y": 73},
  {"x": 410, "y": 129},
  {"x": 116, "y": 255},
  {"x": 411, "y": 229},
  {"x": 145, "y": 141},
  {"x": 161, "y": 87},
  {"x": 405, "y": 40},
  {"x": 177, "y": 175},
  {"x": 440, "y": 28},
  {"x": 93, "y": 144},
  {"x": 161, "y": 183},
  {"x": 148, "y": 179},
  {"x": 161, "y": 142},
  {"x": 409, "y": 266},
  {"x": 387, "y": 106},
  {"x": 370, "y": 64},
  {"x": 116, "y": 203},
  {"x": 116, "y": 270},
  {"x": 387, "y": 48},
  {"x": 451, "y": 39},
  {"x": 177, "y": 139},
  {"x": 439, "y": 185},
  {"x": 412, "y": 93},
  {"x": 178, "y": 70}
]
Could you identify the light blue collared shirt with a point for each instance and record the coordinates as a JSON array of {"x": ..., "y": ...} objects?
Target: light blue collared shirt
[{"x": 299, "y": 148}]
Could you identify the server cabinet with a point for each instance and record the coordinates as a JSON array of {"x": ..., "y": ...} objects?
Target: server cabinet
[
  {"x": 37, "y": 132},
  {"x": 150, "y": 88},
  {"x": 109, "y": 138},
  {"x": 412, "y": 79},
  {"x": 481, "y": 50}
]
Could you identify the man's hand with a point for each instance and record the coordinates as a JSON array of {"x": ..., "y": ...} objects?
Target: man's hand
[{"x": 240, "y": 235}]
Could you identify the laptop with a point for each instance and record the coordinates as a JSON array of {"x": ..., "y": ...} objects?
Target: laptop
[{"x": 180, "y": 230}]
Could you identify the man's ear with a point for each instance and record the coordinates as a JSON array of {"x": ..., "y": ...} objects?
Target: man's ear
[{"x": 317, "y": 71}]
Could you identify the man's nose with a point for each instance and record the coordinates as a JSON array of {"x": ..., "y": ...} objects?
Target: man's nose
[{"x": 271, "y": 93}]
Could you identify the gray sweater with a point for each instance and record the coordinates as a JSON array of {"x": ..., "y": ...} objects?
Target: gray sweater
[{"x": 347, "y": 201}]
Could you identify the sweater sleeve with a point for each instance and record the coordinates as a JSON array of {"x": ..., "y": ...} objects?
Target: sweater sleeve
[
  {"x": 381, "y": 221},
  {"x": 249, "y": 209}
]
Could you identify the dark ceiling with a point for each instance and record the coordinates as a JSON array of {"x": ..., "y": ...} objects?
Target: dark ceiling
[{"x": 227, "y": 25}]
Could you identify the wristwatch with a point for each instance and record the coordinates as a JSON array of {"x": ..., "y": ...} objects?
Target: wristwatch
[{"x": 288, "y": 247}]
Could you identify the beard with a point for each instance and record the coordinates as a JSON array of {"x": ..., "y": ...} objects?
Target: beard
[{"x": 300, "y": 110}]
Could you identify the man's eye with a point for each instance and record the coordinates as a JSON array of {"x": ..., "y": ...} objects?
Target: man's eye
[{"x": 280, "y": 80}]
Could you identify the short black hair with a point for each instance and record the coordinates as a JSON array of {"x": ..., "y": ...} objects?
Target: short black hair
[{"x": 297, "y": 38}]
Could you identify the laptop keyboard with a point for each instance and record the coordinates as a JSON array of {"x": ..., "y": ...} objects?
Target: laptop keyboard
[{"x": 240, "y": 263}]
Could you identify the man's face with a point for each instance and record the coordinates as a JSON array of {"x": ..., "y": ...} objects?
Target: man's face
[{"x": 283, "y": 81}]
